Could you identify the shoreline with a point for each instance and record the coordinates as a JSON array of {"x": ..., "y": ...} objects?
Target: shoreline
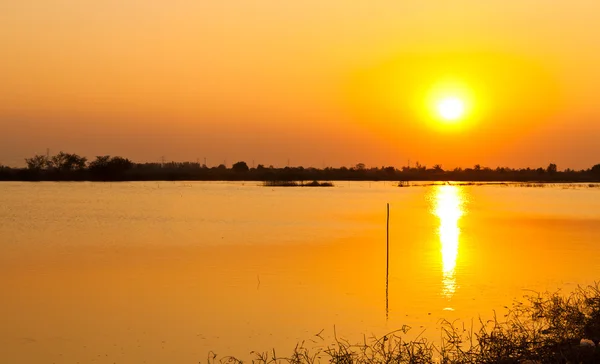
[{"x": 307, "y": 182}]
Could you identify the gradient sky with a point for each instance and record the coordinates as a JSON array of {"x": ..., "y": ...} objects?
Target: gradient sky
[{"x": 320, "y": 83}]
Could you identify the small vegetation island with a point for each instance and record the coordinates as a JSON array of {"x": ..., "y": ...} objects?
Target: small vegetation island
[{"x": 72, "y": 167}]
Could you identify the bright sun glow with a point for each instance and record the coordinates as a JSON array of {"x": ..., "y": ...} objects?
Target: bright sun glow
[
  {"x": 452, "y": 104},
  {"x": 451, "y": 108}
]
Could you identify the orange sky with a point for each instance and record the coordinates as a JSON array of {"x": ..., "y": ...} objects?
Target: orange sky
[{"x": 316, "y": 82}]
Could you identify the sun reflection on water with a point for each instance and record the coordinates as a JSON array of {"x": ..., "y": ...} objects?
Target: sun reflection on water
[{"x": 449, "y": 201}]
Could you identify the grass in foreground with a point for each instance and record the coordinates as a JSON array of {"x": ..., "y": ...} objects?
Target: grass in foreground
[{"x": 544, "y": 328}]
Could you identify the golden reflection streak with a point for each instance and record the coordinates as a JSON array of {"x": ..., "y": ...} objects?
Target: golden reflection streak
[{"x": 448, "y": 208}]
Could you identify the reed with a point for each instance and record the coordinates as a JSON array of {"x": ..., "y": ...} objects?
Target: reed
[{"x": 541, "y": 328}]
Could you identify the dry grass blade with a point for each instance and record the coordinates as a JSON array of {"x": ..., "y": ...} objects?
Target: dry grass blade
[{"x": 544, "y": 328}]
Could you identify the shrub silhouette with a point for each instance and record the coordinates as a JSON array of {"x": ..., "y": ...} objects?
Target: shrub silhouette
[{"x": 240, "y": 167}]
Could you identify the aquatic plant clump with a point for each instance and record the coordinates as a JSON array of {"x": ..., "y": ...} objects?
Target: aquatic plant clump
[
  {"x": 297, "y": 184},
  {"x": 543, "y": 328}
]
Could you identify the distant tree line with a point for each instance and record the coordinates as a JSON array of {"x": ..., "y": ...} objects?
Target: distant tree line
[{"x": 72, "y": 167}]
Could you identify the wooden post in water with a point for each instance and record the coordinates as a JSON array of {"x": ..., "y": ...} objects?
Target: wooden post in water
[{"x": 387, "y": 259}]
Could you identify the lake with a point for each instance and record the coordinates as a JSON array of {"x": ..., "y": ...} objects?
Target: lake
[{"x": 167, "y": 272}]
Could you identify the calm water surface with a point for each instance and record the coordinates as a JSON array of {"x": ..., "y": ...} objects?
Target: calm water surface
[{"x": 166, "y": 272}]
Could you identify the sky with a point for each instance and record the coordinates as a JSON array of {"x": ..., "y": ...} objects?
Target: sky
[{"x": 312, "y": 83}]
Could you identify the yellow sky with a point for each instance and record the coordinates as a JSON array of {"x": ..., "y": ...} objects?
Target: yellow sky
[{"x": 316, "y": 82}]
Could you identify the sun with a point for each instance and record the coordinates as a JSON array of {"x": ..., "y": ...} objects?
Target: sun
[
  {"x": 451, "y": 108},
  {"x": 451, "y": 105}
]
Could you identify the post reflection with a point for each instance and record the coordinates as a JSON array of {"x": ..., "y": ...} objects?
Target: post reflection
[{"x": 449, "y": 201}]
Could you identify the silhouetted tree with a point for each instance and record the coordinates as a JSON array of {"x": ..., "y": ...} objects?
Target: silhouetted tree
[
  {"x": 107, "y": 168},
  {"x": 240, "y": 167},
  {"x": 65, "y": 162},
  {"x": 37, "y": 162},
  {"x": 390, "y": 170},
  {"x": 65, "y": 166},
  {"x": 120, "y": 163},
  {"x": 419, "y": 167},
  {"x": 100, "y": 163}
]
